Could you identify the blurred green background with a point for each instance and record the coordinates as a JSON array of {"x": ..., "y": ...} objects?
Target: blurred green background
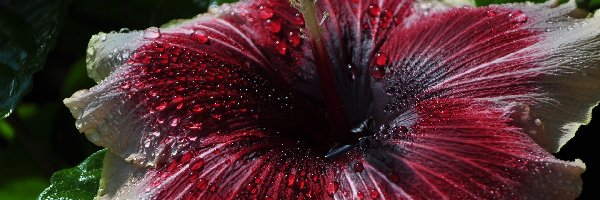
[{"x": 40, "y": 138}]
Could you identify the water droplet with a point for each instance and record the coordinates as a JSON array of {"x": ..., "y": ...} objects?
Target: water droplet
[
  {"x": 381, "y": 59},
  {"x": 332, "y": 187},
  {"x": 377, "y": 72},
  {"x": 102, "y": 36},
  {"x": 152, "y": 33},
  {"x": 172, "y": 166},
  {"x": 401, "y": 130},
  {"x": 198, "y": 109},
  {"x": 199, "y": 37},
  {"x": 281, "y": 48},
  {"x": 124, "y": 30},
  {"x": 294, "y": 39},
  {"x": 265, "y": 12},
  {"x": 352, "y": 71},
  {"x": 291, "y": 180},
  {"x": 360, "y": 195},
  {"x": 298, "y": 19},
  {"x": 213, "y": 188},
  {"x": 490, "y": 13},
  {"x": 358, "y": 167},
  {"x": 186, "y": 157},
  {"x": 201, "y": 184},
  {"x": 195, "y": 126},
  {"x": 301, "y": 184},
  {"x": 177, "y": 99},
  {"x": 374, "y": 194},
  {"x": 174, "y": 122},
  {"x": 198, "y": 165},
  {"x": 392, "y": 177},
  {"x": 518, "y": 17},
  {"x": 374, "y": 10},
  {"x": 161, "y": 106},
  {"x": 274, "y": 26}
]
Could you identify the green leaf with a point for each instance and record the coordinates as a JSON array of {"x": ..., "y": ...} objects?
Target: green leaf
[
  {"x": 23, "y": 188},
  {"x": 80, "y": 182},
  {"x": 29, "y": 29},
  {"x": 6, "y": 130}
]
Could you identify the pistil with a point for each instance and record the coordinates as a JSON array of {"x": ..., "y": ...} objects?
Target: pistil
[{"x": 334, "y": 108}]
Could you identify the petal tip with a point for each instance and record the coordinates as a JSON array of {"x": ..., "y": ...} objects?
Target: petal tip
[{"x": 108, "y": 51}]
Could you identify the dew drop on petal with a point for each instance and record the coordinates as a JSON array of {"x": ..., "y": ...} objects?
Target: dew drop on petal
[
  {"x": 298, "y": 19},
  {"x": 213, "y": 188},
  {"x": 102, "y": 36},
  {"x": 294, "y": 39},
  {"x": 201, "y": 184},
  {"x": 518, "y": 17},
  {"x": 392, "y": 177},
  {"x": 174, "y": 122},
  {"x": 161, "y": 106},
  {"x": 377, "y": 72},
  {"x": 374, "y": 194},
  {"x": 358, "y": 167},
  {"x": 490, "y": 13},
  {"x": 195, "y": 126},
  {"x": 401, "y": 130},
  {"x": 332, "y": 187},
  {"x": 198, "y": 165},
  {"x": 124, "y": 30},
  {"x": 172, "y": 166},
  {"x": 291, "y": 180},
  {"x": 273, "y": 26},
  {"x": 186, "y": 157},
  {"x": 281, "y": 48},
  {"x": 199, "y": 37},
  {"x": 381, "y": 59},
  {"x": 265, "y": 12},
  {"x": 360, "y": 195},
  {"x": 151, "y": 33},
  {"x": 177, "y": 99},
  {"x": 374, "y": 10}
]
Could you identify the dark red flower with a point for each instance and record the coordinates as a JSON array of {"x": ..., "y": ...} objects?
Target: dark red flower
[{"x": 403, "y": 101}]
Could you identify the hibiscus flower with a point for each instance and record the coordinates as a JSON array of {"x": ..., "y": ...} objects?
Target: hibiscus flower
[{"x": 343, "y": 99}]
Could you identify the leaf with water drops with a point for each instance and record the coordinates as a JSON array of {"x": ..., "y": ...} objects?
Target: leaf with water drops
[{"x": 80, "y": 182}]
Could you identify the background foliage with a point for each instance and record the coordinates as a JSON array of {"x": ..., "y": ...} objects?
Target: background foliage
[{"x": 49, "y": 38}]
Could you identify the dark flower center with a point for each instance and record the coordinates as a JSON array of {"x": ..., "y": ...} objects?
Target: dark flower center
[{"x": 343, "y": 136}]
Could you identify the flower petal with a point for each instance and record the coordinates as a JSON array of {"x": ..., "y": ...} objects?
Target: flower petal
[
  {"x": 467, "y": 149},
  {"x": 353, "y": 30},
  {"x": 534, "y": 55},
  {"x": 470, "y": 149},
  {"x": 162, "y": 91}
]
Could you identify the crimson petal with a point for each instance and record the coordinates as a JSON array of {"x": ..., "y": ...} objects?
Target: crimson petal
[
  {"x": 533, "y": 55},
  {"x": 222, "y": 106}
]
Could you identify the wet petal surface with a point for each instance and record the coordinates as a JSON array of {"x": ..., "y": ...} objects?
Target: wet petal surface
[{"x": 466, "y": 103}]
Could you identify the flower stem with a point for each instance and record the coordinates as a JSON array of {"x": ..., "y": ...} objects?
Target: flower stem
[{"x": 334, "y": 107}]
